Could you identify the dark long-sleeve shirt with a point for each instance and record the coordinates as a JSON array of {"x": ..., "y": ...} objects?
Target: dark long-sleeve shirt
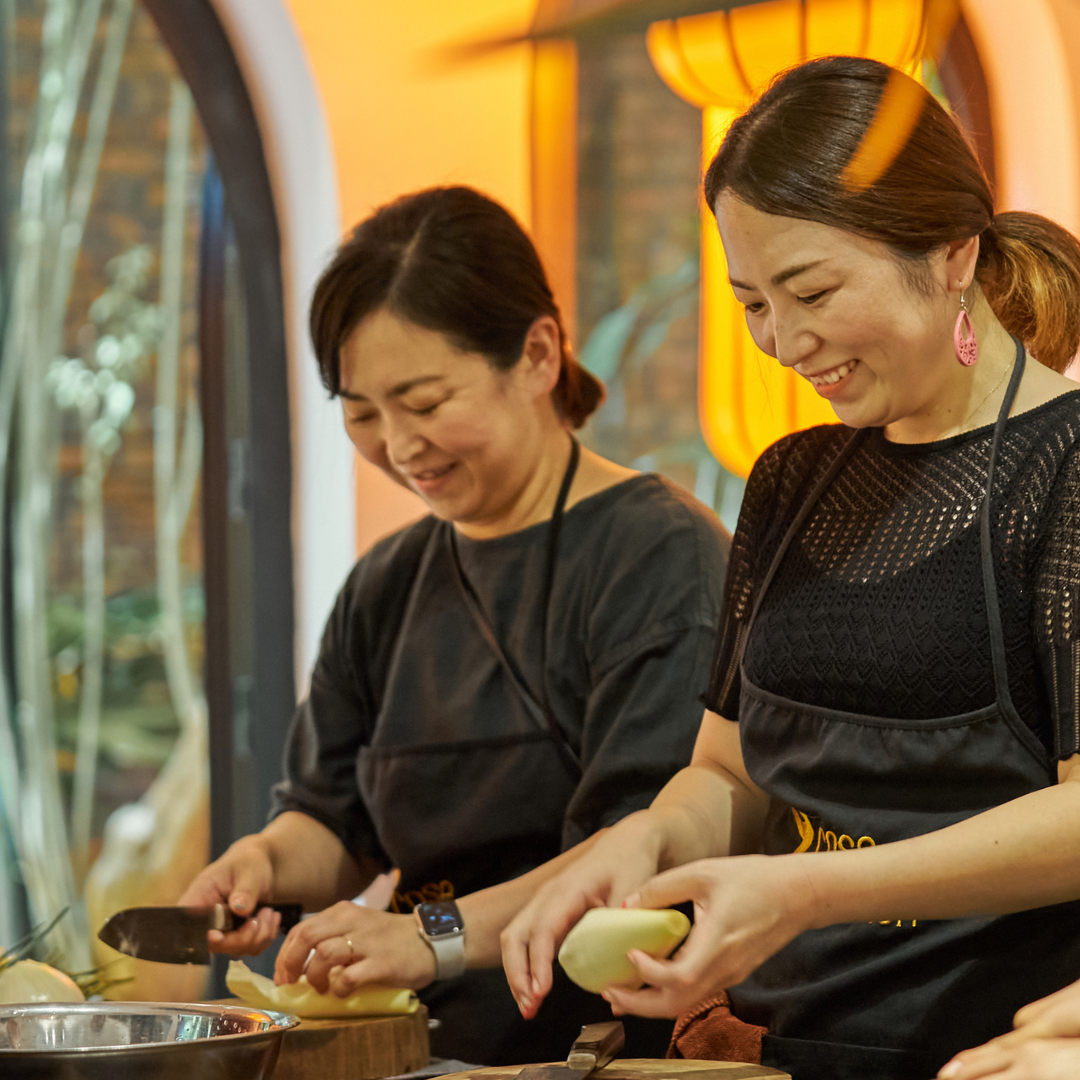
[{"x": 413, "y": 746}]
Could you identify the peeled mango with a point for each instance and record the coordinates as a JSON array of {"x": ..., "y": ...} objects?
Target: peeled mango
[
  {"x": 594, "y": 952},
  {"x": 31, "y": 981},
  {"x": 302, "y": 999}
]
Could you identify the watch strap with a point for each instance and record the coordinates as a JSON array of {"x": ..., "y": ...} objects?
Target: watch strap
[
  {"x": 448, "y": 948},
  {"x": 449, "y": 955}
]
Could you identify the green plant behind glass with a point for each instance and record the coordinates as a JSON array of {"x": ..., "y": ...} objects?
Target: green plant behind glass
[{"x": 624, "y": 341}]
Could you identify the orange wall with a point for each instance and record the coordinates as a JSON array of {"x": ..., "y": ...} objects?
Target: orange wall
[{"x": 401, "y": 117}]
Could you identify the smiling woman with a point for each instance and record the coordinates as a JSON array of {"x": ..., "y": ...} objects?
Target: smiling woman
[
  {"x": 499, "y": 682},
  {"x": 449, "y": 424},
  {"x": 897, "y": 658},
  {"x": 838, "y": 309},
  {"x": 454, "y": 371}
]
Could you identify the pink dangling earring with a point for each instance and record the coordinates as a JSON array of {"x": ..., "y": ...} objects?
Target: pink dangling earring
[{"x": 967, "y": 348}]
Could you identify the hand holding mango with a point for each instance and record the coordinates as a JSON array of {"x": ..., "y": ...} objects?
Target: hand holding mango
[{"x": 593, "y": 954}]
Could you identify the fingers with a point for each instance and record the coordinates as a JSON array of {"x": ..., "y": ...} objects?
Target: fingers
[
  {"x": 648, "y": 1001},
  {"x": 212, "y": 886},
  {"x": 397, "y": 957},
  {"x": 250, "y": 884},
  {"x": 1045, "y": 1035},
  {"x": 346, "y": 946},
  {"x": 1047, "y": 1059},
  {"x": 669, "y": 888},
  {"x": 1056, "y": 1016},
  {"x": 515, "y": 958},
  {"x": 1039, "y": 1059},
  {"x": 988, "y": 1060},
  {"x": 241, "y": 879},
  {"x": 333, "y": 923},
  {"x": 250, "y": 938},
  {"x": 740, "y": 921},
  {"x": 347, "y": 978},
  {"x": 529, "y": 945},
  {"x": 1035, "y": 1009},
  {"x": 541, "y": 956},
  {"x": 672, "y": 986},
  {"x": 666, "y": 993},
  {"x": 334, "y": 952},
  {"x": 528, "y": 951},
  {"x": 205, "y": 891},
  {"x": 619, "y": 861}
]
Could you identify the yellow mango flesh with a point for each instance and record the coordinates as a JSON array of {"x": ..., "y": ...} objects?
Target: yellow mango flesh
[
  {"x": 302, "y": 999},
  {"x": 594, "y": 952}
]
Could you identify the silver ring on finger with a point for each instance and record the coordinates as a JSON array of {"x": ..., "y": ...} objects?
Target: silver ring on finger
[{"x": 348, "y": 941}]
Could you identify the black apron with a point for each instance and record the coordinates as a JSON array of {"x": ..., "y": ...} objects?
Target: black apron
[
  {"x": 895, "y": 1001},
  {"x": 463, "y": 800}
]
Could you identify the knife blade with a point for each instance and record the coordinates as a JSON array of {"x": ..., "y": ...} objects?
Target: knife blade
[
  {"x": 177, "y": 935},
  {"x": 592, "y": 1050}
]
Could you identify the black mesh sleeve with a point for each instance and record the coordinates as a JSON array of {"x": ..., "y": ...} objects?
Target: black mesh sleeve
[
  {"x": 768, "y": 492},
  {"x": 1057, "y": 608}
]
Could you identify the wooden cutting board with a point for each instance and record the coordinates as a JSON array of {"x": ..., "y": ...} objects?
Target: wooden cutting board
[
  {"x": 357, "y": 1048},
  {"x": 643, "y": 1069}
]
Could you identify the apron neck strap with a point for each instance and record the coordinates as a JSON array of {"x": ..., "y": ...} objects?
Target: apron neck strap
[
  {"x": 993, "y": 605},
  {"x": 540, "y": 711},
  {"x": 552, "y": 560}
]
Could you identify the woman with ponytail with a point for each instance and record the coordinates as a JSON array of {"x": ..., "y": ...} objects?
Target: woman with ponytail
[
  {"x": 880, "y": 828},
  {"x": 497, "y": 682}
]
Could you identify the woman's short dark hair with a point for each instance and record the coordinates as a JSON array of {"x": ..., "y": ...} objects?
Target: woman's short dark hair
[
  {"x": 448, "y": 259},
  {"x": 786, "y": 155}
]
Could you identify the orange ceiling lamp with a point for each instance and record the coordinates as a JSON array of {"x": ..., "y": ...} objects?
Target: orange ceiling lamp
[{"x": 720, "y": 62}]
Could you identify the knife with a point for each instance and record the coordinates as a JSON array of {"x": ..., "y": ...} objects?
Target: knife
[
  {"x": 177, "y": 935},
  {"x": 592, "y": 1050}
]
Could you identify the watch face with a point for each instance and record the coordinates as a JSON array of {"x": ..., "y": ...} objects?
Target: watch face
[{"x": 440, "y": 918}]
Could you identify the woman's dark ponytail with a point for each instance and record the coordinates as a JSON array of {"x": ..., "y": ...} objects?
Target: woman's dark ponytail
[
  {"x": 1029, "y": 271},
  {"x": 578, "y": 393}
]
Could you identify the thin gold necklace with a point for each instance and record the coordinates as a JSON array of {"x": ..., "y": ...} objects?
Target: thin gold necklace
[{"x": 997, "y": 386}]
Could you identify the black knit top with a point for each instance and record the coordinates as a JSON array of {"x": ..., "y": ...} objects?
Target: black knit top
[{"x": 877, "y": 607}]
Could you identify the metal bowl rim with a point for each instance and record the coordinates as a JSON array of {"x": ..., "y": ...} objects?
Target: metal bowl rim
[{"x": 282, "y": 1022}]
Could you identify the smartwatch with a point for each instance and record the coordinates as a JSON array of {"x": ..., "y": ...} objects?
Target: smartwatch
[{"x": 441, "y": 926}]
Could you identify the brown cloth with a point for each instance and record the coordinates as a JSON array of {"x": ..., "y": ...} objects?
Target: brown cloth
[{"x": 709, "y": 1032}]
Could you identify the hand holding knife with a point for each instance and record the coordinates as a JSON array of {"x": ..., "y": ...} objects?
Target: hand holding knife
[{"x": 177, "y": 935}]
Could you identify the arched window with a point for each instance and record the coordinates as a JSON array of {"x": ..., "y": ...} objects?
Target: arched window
[{"x": 144, "y": 449}]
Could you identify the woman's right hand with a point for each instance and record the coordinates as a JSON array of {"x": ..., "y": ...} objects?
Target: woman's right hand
[
  {"x": 618, "y": 864},
  {"x": 240, "y": 879}
]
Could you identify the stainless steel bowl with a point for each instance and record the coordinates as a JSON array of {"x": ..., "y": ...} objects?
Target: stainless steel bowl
[{"x": 111, "y": 1040}]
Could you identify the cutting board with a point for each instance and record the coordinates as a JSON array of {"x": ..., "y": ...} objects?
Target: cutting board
[
  {"x": 644, "y": 1069},
  {"x": 357, "y": 1048}
]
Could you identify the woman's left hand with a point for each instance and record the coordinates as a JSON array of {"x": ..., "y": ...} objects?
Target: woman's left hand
[
  {"x": 356, "y": 946},
  {"x": 746, "y": 908}
]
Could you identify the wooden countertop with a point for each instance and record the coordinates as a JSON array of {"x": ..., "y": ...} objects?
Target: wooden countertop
[{"x": 645, "y": 1069}]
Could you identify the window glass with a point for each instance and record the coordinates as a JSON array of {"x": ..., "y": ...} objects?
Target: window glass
[
  {"x": 638, "y": 167},
  {"x": 104, "y": 723}
]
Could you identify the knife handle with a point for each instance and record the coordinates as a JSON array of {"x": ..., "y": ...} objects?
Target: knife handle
[
  {"x": 227, "y": 920},
  {"x": 596, "y": 1045}
]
